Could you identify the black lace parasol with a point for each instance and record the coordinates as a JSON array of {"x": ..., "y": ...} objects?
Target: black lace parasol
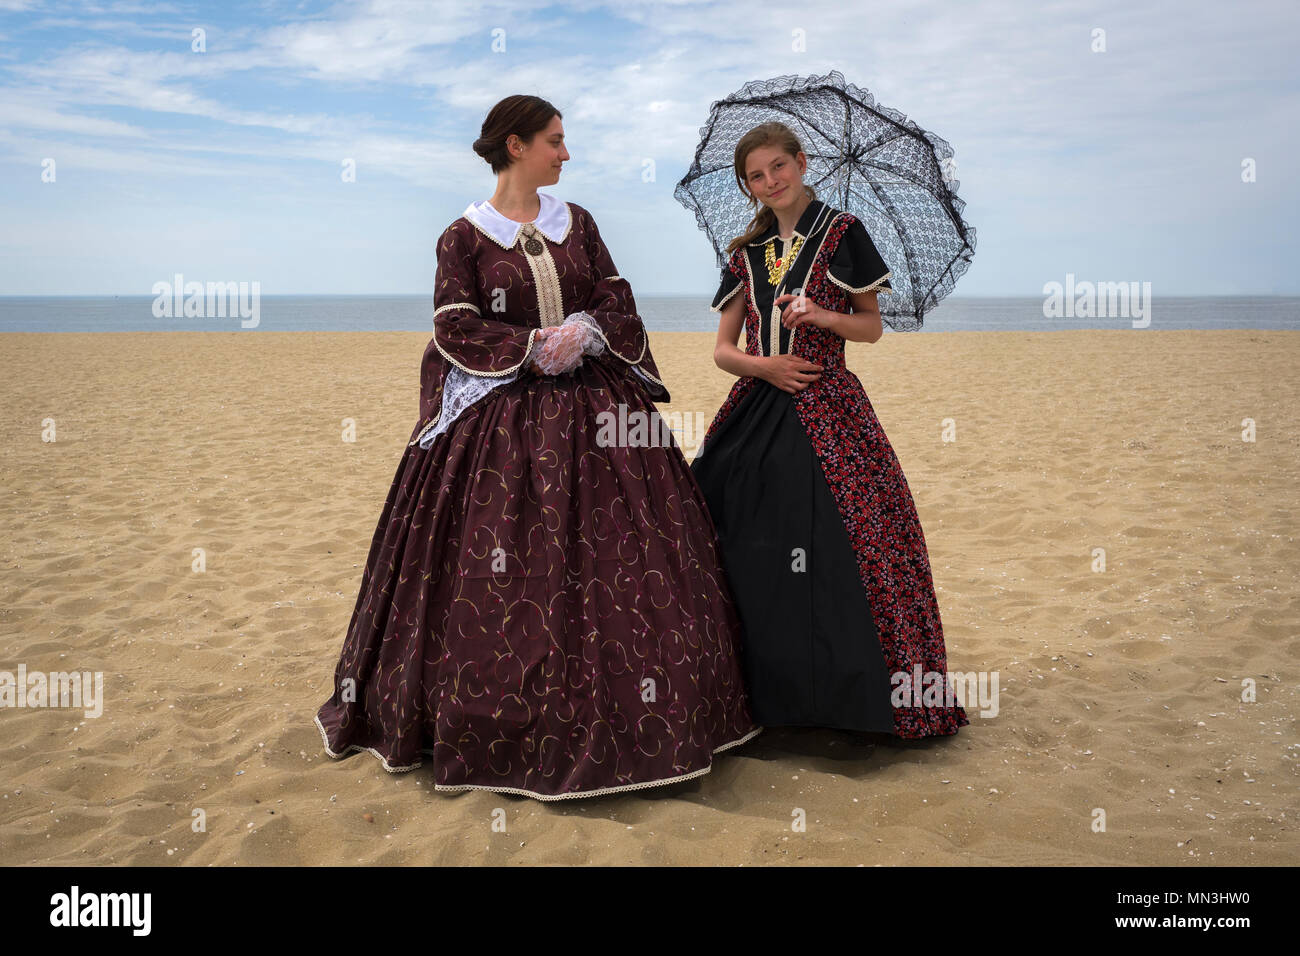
[{"x": 863, "y": 158}]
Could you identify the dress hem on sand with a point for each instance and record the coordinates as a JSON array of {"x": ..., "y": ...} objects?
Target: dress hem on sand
[{"x": 531, "y": 793}]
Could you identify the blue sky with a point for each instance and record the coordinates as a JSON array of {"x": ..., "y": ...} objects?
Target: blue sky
[{"x": 225, "y": 165}]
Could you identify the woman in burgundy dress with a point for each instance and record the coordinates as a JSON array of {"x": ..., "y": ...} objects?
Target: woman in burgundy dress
[
  {"x": 542, "y": 611},
  {"x": 820, "y": 537}
]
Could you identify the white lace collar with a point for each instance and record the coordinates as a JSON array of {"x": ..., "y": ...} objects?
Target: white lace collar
[{"x": 552, "y": 220}]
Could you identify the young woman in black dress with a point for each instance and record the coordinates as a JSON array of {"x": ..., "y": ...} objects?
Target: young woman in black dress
[{"x": 821, "y": 541}]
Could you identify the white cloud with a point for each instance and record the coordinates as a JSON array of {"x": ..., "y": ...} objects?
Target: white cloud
[{"x": 1042, "y": 126}]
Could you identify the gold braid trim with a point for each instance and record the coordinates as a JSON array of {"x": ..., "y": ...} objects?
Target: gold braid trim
[
  {"x": 546, "y": 280},
  {"x": 484, "y": 232},
  {"x": 726, "y": 298},
  {"x": 432, "y": 422},
  {"x": 465, "y": 368},
  {"x": 774, "y": 323},
  {"x": 475, "y": 371},
  {"x": 645, "y": 344},
  {"x": 457, "y": 305},
  {"x": 568, "y": 225},
  {"x": 635, "y": 361},
  {"x": 820, "y": 245},
  {"x": 844, "y": 285},
  {"x": 866, "y": 288}
]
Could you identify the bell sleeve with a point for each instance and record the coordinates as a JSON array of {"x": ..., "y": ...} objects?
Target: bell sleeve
[
  {"x": 461, "y": 333},
  {"x": 731, "y": 282},
  {"x": 856, "y": 266},
  {"x": 613, "y": 309},
  {"x": 468, "y": 354}
]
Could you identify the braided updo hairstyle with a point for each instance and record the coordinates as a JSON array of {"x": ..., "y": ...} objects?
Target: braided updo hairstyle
[{"x": 520, "y": 115}]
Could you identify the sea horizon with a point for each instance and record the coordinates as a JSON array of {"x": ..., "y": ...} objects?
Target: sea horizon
[{"x": 410, "y": 312}]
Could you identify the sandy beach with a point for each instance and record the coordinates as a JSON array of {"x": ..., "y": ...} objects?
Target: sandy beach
[{"x": 1120, "y": 689}]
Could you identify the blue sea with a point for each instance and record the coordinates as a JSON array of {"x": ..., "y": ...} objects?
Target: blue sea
[{"x": 380, "y": 313}]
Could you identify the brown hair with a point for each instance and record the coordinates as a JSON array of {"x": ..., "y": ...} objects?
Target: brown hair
[
  {"x": 766, "y": 134},
  {"x": 520, "y": 115}
]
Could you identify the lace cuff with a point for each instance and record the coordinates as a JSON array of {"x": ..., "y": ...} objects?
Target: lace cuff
[
  {"x": 567, "y": 343},
  {"x": 593, "y": 343}
]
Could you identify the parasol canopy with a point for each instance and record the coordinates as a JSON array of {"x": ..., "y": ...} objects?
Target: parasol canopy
[{"x": 863, "y": 158}]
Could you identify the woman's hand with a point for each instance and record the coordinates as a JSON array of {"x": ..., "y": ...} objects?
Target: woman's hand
[
  {"x": 562, "y": 349},
  {"x": 790, "y": 373},
  {"x": 801, "y": 309}
]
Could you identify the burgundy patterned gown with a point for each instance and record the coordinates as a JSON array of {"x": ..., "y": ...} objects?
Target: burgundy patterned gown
[
  {"x": 820, "y": 537},
  {"x": 542, "y": 612}
]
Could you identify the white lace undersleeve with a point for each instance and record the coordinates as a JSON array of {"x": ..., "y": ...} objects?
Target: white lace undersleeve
[
  {"x": 459, "y": 392},
  {"x": 594, "y": 343},
  {"x": 462, "y": 389}
]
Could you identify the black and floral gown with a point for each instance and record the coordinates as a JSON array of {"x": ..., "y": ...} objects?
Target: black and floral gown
[{"x": 821, "y": 541}]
